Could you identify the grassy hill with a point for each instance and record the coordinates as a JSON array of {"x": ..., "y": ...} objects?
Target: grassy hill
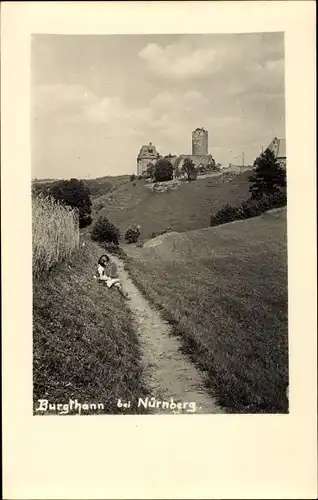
[
  {"x": 102, "y": 185},
  {"x": 225, "y": 290},
  {"x": 185, "y": 208},
  {"x": 84, "y": 345}
]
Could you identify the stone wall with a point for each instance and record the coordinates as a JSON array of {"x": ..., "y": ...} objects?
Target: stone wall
[
  {"x": 172, "y": 159},
  {"x": 197, "y": 160},
  {"x": 142, "y": 164}
]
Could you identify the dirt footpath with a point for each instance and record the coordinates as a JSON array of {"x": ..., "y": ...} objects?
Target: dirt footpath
[{"x": 167, "y": 372}]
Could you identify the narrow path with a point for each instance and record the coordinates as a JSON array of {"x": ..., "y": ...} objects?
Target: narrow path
[{"x": 168, "y": 373}]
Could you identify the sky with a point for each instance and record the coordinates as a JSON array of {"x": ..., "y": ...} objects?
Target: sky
[{"x": 95, "y": 100}]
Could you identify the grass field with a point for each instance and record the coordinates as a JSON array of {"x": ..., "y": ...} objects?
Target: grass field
[
  {"x": 84, "y": 344},
  {"x": 102, "y": 185},
  {"x": 188, "y": 207},
  {"x": 225, "y": 291}
]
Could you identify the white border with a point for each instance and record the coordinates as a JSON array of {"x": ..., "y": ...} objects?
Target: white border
[{"x": 238, "y": 456}]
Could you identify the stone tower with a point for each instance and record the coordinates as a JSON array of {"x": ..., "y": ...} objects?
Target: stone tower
[{"x": 200, "y": 142}]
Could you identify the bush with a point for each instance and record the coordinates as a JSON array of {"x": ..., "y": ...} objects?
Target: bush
[
  {"x": 55, "y": 233},
  {"x": 75, "y": 194},
  {"x": 227, "y": 213},
  {"x": 253, "y": 208},
  {"x": 163, "y": 170},
  {"x": 132, "y": 177},
  {"x": 132, "y": 234},
  {"x": 269, "y": 177},
  {"x": 105, "y": 231},
  {"x": 249, "y": 208}
]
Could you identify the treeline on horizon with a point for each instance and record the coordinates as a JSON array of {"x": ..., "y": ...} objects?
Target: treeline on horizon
[{"x": 97, "y": 187}]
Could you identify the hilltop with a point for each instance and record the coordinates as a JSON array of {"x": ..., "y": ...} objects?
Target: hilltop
[
  {"x": 185, "y": 208},
  {"x": 225, "y": 291},
  {"x": 99, "y": 186}
]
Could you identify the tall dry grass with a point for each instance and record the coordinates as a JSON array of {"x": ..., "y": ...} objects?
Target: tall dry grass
[{"x": 55, "y": 233}]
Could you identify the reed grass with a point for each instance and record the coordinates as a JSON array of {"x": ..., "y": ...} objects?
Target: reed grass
[{"x": 55, "y": 233}]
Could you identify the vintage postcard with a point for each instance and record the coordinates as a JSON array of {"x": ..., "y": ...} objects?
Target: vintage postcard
[
  {"x": 159, "y": 167},
  {"x": 161, "y": 204}
]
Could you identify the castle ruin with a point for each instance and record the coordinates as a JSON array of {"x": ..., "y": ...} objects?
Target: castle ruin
[
  {"x": 200, "y": 153},
  {"x": 200, "y": 150}
]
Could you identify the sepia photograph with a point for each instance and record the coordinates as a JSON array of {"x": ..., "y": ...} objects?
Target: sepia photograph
[
  {"x": 159, "y": 224},
  {"x": 153, "y": 280}
]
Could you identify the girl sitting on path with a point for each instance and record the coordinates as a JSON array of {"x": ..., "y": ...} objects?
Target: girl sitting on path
[{"x": 102, "y": 276}]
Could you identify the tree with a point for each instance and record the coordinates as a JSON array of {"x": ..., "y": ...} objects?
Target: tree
[
  {"x": 269, "y": 177},
  {"x": 105, "y": 231},
  {"x": 132, "y": 177},
  {"x": 76, "y": 195},
  {"x": 189, "y": 169},
  {"x": 132, "y": 234},
  {"x": 163, "y": 170}
]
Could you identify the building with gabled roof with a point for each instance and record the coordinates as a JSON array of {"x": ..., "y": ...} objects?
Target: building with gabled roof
[
  {"x": 147, "y": 154},
  {"x": 278, "y": 146}
]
